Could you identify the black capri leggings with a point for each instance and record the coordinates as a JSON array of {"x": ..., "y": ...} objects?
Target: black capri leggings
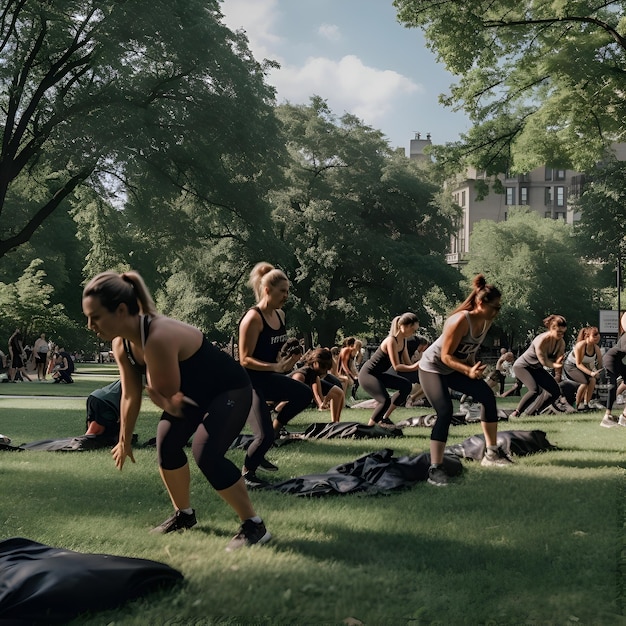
[
  {"x": 212, "y": 437},
  {"x": 376, "y": 385},
  {"x": 536, "y": 379},
  {"x": 276, "y": 388},
  {"x": 436, "y": 388}
]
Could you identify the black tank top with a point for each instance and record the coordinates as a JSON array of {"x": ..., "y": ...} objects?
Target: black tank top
[
  {"x": 207, "y": 373},
  {"x": 310, "y": 375},
  {"x": 380, "y": 362},
  {"x": 270, "y": 341}
]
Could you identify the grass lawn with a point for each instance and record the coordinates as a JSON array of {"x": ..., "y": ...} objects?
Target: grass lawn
[{"x": 541, "y": 542}]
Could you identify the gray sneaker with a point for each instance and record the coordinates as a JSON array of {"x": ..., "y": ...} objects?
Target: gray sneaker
[
  {"x": 496, "y": 458},
  {"x": 596, "y": 405},
  {"x": 609, "y": 421},
  {"x": 437, "y": 476},
  {"x": 249, "y": 534}
]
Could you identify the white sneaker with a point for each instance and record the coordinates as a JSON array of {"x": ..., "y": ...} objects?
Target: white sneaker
[
  {"x": 609, "y": 421},
  {"x": 622, "y": 420},
  {"x": 595, "y": 404}
]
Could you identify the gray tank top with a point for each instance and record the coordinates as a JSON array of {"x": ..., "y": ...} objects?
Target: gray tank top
[
  {"x": 465, "y": 351},
  {"x": 529, "y": 358}
]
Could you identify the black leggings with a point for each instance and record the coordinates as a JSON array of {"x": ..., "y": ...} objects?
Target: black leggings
[
  {"x": 613, "y": 368},
  {"x": 275, "y": 388},
  {"x": 536, "y": 379},
  {"x": 212, "y": 437},
  {"x": 436, "y": 388},
  {"x": 376, "y": 385}
]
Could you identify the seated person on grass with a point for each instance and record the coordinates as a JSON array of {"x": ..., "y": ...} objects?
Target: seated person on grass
[{"x": 103, "y": 411}]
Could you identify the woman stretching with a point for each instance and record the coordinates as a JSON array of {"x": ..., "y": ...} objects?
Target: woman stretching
[
  {"x": 262, "y": 332},
  {"x": 547, "y": 350},
  {"x": 450, "y": 363},
  {"x": 582, "y": 365},
  {"x": 202, "y": 391},
  {"x": 374, "y": 377}
]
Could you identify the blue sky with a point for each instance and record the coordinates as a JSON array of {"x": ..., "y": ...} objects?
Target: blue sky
[{"x": 355, "y": 55}]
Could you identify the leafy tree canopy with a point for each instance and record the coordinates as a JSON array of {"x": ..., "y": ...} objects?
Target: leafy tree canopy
[
  {"x": 141, "y": 100},
  {"x": 542, "y": 82},
  {"x": 366, "y": 239},
  {"x": 535, "y": 263}
]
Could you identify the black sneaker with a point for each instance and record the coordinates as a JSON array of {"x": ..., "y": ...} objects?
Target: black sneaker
[
  {"x": 496, "y": 458},
  {"x": 267, "y": 465},
  {"x": 249, "y": 533},
  {"x": 386, "y": 423},
  {"x": 253, "y": 481},
  {"x": 437, "y": 476},
  {"x": 178, "y": 521},
  {"x": 355, "y": 388}
]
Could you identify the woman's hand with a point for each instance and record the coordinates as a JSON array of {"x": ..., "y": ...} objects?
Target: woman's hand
[
  {"x": 477, "y": 371},
  {"x": 174, "y": 405},
  {"x": 120, "y": 452},
  {"x": 559, "y": 362},
  {"x": 285, "y": 364}
]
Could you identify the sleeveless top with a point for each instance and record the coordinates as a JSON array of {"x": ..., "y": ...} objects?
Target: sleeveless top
[
  {"x": 529, "y": 358},
  {"x": 465, "y": 351},
  {"x": 310, "y": 375},
  {"x": 380, "y": 362},
  {"x": 206, "y": 374},
  {"x": 589, "y": 361},
  {"x": 270, "y": 340}
]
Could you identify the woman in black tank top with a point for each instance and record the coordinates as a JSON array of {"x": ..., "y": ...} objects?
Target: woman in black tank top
[
  {"x": 262, "y": 332},
  {"x": 203, "y": 392}
]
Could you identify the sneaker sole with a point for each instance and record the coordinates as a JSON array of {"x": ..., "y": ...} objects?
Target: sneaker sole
[{"x": 436, "y": 484}]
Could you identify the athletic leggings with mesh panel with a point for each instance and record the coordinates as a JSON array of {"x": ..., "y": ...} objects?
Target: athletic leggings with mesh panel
[
  {"x": 272, "y": 387},
  {"x": 436, "y": 388},
  {"x": 535, "y": 379},
  {"x": 376, "y": 385},
  {"x": 212, "y": 436}
]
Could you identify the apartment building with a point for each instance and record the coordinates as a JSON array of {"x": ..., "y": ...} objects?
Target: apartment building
[{"x": 551, "y": 192}]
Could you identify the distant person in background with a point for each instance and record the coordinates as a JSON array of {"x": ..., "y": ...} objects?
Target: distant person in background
[
  {"x": 17, "y": 369},
  {"x": 64, "y": 367},
  {"x": 40, "y": 350}
]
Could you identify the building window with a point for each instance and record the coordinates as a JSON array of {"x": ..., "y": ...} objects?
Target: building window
[
  {"x": 523, "y": 195},
  {"x": 462, "y": 198},
  {"x": 559, "y": 174},
  {"x": 506, "y": 216},
  {"x": 560, "y": 196},
  {"x": 548, "y": 173},
  {"x": 548, "y": 196},
  {"x": 548, "y": 214},
  {"x": 559, "y": 216},
  {"x": 510, "y": 196}
]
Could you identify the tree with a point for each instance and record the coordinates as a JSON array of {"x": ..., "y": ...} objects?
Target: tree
[
  {"x": 542, "y": 82},
  {"x": 26, "y": 304},
  {"x": 601, "y": 231},
  {"x": 535, "y": 263},
  {"x": 365, "y": 238},
  {"x": 140, "y": 100}
]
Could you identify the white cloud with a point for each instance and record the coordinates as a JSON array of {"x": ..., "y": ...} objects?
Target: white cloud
[
  {"x": 330, "y": 32},
  {"x": 347, "y": 85},
  {"x": 257, "y": 18}
]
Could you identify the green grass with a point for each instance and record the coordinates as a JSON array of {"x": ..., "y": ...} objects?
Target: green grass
[{"x": 542, "y": 542}]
